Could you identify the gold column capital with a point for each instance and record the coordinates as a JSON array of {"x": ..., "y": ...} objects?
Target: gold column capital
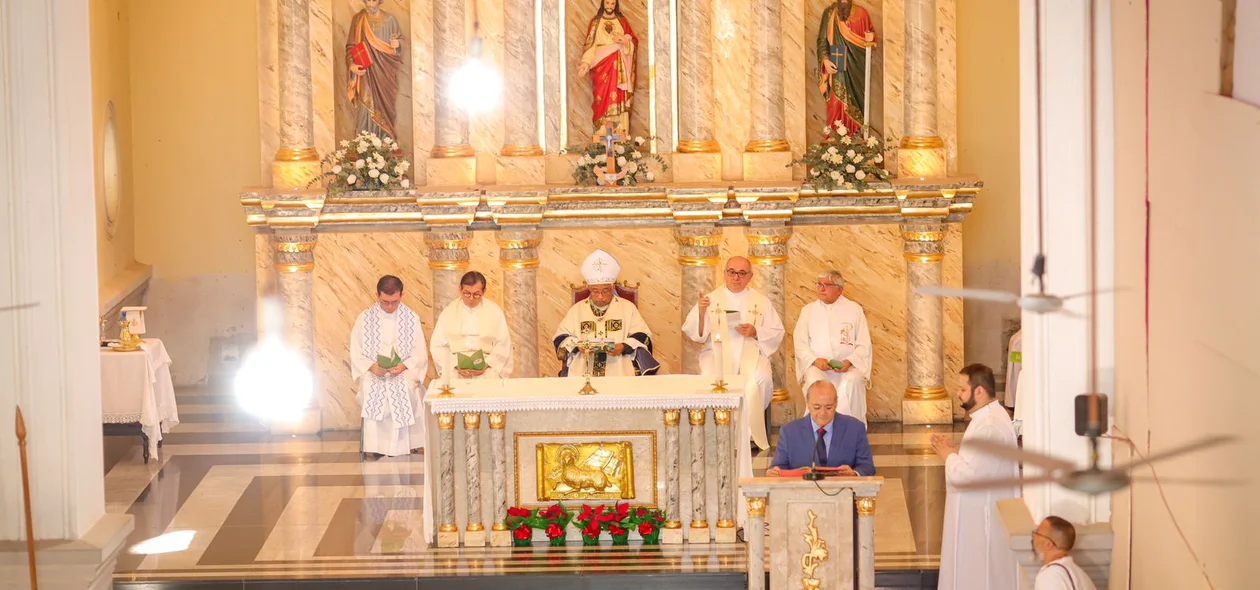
[
  {"x": 865, "y": 505},
  {"x": 721, "y": 417},
  {"x": 696, "y": 417},
  {"x": 497, "y": 420},
  {"x": 446, "y": 421},
  {"x": 472, "y": 421},
  {"x": 756, "y": 506},
  {"x": 672, "y": 417},
  {"x": 699, "y": 240}
]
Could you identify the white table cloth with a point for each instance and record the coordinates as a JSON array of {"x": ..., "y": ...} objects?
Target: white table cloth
[{"x": 136, "y": 387}]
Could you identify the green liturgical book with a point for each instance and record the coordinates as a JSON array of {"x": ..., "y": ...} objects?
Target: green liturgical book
[
  {"x": 836, "y": 364},
  {"x": 471, "y": 360},
  {"x": 388, "y": 362}
]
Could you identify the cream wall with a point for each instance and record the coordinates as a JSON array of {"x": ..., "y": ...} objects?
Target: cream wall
[
  {"x": 988, "y": 146},
  {"x": 111, "y": 82},
  {"x": 1201, "y": 372},
  {"x": 194, "y": 87}
]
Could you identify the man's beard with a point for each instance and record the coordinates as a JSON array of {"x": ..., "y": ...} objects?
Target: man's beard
[
  {"x": 844, "y": 9},
  {"x": 971, "y": 402}
]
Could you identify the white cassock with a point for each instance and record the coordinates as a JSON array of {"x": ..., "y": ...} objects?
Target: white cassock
[
  {"x": 745, "y": 358},
  {"x": 463, "y": 329},
  {"x": 1014, "y": 364},
  {"x": 393, "y": 417},
  {"x": 1063, "y": 574},
  {"x": 836, "y": 332},
  {"x": 619, "y": 323},
  {"x": 975, "y": 552}
]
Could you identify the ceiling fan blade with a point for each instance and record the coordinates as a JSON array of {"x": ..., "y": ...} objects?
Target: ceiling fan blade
[
  {"x": 982, "y": 294},
  {"x": 1094, "y": 292},
  {"x": 1190, "y": 481},
  {"x": 985, "y": 484},
  {"x": 1017, "y": 454},
  {"x": 1199, "y": 445},
  {"x": 19, "y": 306}
]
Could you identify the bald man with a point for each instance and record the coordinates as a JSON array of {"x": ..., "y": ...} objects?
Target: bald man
[
  {"x": 824, "y": 438},
  {"x": 1051, "y": 542},
  {"x": 750, "y": 331}
]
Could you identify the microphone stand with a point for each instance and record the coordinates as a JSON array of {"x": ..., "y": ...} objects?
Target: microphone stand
[{"x": 813, "y": 474}]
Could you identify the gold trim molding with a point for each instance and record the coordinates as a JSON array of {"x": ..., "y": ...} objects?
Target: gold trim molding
[
  {"x": 726, "y": 524},
  {"x": 696, "y": 417},
  {"x": 673, "y": 524},
  {"x": 294, "y": 247},
  {"x": 448, "y": 264},
  {"x": 699, "y": 241},
  {"x": 933, "y": 393},
  {"x": 472, "y": 421},
  {"x": 924, "y": 258},
  {"x": 698, "y": 146},
  {"x": 497, "y": 420},
  {"x": 865, "y": 505},
  {"x": 498, "y": 526},
  {"x": 767, "y": 145},
  {"x": 919, "y": 142},
  {"x": 774, "y": 239},
  {"x": 476, "y": 527},
  {"x": 756, "y": 506},
  {"x": 513, "y": 151},
  {"x": 780, "y": 395},
  {"x": 308, "y": 154},
  {"x": 446, "y": 421},
  {"x": 518, "y": 264},
  {"x": 699, "y": 524},
  {"x": 441, "y": 244},
  {"x": 769, "y": 260},
  {"x": 452, "y": 151},
  {"x": 448, "y": 528},
  {"x": 698, "y": 260},
  {"x": 672, "y": 417},
  {"x": 518, "y": 244},
  {"x": 296, "y": 267},
  {"x": 923, "y": 236}
]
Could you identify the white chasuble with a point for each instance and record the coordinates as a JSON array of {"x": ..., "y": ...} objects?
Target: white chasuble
[
  {"x": 393, "y": 417},
  {"x": 463, "y": 329},
  {"x": 747, "y": 359},
  {"x": 835, "y": 332},
  {"x": 619, "y": 323},
  {"x": 975, "y": 551}
]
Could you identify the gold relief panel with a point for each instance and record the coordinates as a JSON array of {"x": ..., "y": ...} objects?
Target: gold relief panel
[
  {"x": 815, "y": 554},
  {"x": 585, "y": 471}
]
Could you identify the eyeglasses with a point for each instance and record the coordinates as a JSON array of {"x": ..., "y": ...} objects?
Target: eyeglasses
[
  {"x": 743, "y": 274},
  {"x": 827, "y": 285},
  {"x": 472, "y": 295},
  {"x": 1046, "y": 537}
]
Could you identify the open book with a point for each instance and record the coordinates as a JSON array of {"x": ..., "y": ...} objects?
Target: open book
[
  {"x": 827, "y": 471},
  {"x": 388, "y": 362},
  {"x": 471, "y": 360}
]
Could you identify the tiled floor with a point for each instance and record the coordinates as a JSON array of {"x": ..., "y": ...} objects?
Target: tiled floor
[{"x": 280, "y": 507}]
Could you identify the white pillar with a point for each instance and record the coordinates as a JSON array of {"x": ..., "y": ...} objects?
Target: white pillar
[
  {"x": 1056, "y": 359},
  {"x": 49, "y": 362}
]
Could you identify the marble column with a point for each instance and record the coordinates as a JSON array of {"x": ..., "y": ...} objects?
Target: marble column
[
  {"x": 521, "y": 160},
  {"x": 768, "y": 251},
  {"x": 922, "y": 152},
  {"x": 518, "y": 255},
  {"x": 499, "y": 534},
  {"x": 448, "y": 260},
  {"x": 725, "y": 531},
  {"x": 756, "y": 542},
  {"x": 767, "y": 154},
  {"x": 296, "y": 161},
  {"x": 926, "y": 401},
  {"x": 698, "y": 256},
  {"x": 452, "y": 159},
  {"x": 672, "y": 533},
  {"x": 448, "y": 532},
  {"x": 294, "y": 262},
  {"x": 866, "y": 542},
  {"x": 475, "y": 531},
  {"x": 699, "y": 532},
  {"x": 699, "y": 156}
]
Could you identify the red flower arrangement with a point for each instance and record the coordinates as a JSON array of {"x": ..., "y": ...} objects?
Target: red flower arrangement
[
  {"x": 552, "y": 520},
  {"x": 619, "y": 520}
]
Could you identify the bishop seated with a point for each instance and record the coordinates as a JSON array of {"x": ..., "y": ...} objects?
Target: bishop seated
[
  {"x": 604, "y": 335},
  {"x": 823, "y": 439}
]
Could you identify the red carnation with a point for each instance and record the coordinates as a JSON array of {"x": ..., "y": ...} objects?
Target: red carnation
[
  {"x": 553, "y": 512},
  {"x": 623, "y": 510},
  {"x": 554, "y": 530},
  {"x": 591, "y": 529},
  {"x": 606, "y": 516},
  {"x": 641, "y": 512},
  {"x": 519, "y": 512},
  {"x": 646, "y": 528},
  {"x": 587, "y": 512},
  {"x": 616, "y": 531},
  {"x": 522, "y": 532}
]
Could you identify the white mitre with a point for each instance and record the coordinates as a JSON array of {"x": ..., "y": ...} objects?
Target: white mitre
[{"x": 600, "y": 268}]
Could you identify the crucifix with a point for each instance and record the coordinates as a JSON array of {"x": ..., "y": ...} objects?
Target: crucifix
[{"x": 609, "y": 171}]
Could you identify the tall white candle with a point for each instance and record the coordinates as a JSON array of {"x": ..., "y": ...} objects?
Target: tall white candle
[
  {"x": 719, "y": 356},
  {"x": 446, "y": 371}
]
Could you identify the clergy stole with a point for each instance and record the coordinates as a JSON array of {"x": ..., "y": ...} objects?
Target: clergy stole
[
  {"x": 394, "y": 387},
  {"x": 740, "y": 354}
]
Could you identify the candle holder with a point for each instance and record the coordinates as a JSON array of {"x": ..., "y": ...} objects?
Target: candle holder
[
  {"x": 588, "y": 350},
  {"x": 446, "y": 391},
  {"x": 719, "y": 386}
]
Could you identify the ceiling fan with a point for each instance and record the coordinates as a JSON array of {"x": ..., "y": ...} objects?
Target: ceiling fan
[
  {"x": 1091, "y": 408},
  {"x": 18, "y": 306}
]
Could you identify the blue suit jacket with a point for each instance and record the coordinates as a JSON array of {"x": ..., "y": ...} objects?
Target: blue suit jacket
[{"x": 848, "y": 445}]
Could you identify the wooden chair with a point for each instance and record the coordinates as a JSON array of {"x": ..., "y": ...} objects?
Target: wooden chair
[{"x": 623, "y": 288}]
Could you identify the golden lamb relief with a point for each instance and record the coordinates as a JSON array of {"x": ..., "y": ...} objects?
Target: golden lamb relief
[{"x": 585, "y": 471}]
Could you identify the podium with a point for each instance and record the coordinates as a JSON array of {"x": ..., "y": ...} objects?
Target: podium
[{"x": 813, "y": 528}]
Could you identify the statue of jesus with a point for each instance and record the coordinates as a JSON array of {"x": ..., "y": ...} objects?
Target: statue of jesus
[{"x": 608, "y": 55}]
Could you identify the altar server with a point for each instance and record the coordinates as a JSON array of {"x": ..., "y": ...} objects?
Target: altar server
[
  {"x": 975, "y": 552},
  {"x": 393, "y": 418},
  {"x": 833, "y": 344},
  {"x": 749, "y": 331},
  {"x": 604, "y": 317},
  {"x": 469, "y": 324}
]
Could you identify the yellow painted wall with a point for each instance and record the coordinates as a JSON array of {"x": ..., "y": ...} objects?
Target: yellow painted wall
[
  {"x": 194, "y": 87},
  {"x": 1200, "y": 377},
  {"x": 988, "y": 146},
  {"x": 111, "y": 82}
]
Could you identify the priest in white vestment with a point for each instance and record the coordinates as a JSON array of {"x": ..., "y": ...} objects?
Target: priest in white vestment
[
  {"x": 833, "y": 344},
  {"x": 607, "y": 321},
  {"x": 472, "y": 323},
  {"x": 975, "y": 552},
  {"x": 393, "y": 418},
  {"x": 749, "y": 331}
]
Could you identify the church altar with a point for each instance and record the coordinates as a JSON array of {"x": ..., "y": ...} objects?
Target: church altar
[{"x": 543, "y": 442}]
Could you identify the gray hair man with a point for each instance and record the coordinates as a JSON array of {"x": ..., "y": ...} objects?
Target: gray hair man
[
  {"x": 1051, "y": 542},
  {"x": 833, "y": 344}
]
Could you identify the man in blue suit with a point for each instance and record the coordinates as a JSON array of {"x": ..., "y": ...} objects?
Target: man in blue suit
[{"x": 823, "y": 438}]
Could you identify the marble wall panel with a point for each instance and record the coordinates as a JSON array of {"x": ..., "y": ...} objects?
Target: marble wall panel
[
  {"x": 947, "y": 80},
  {"x": 343, "y": 11},
  {"x": 552, "y": 106},
  {"x": 485, "y": 130},
  {"x": 324, "y": 51},
  {"x": 577, "y": 16},
  {"x": 732, "y": 81},
  {"x": 268, "y": 85},
  {"x": 423, "y": 84},
  {"x": 894, "y": 19},
  {"x": 870, "y": 257},
  {"x": 816, "y": 108},
  {"x": 795, "y": 92}
]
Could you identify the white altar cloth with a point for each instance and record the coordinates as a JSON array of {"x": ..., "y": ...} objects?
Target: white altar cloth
[
  {"x": 136, "y": 387},
  {"x": 552, "y": 394}
]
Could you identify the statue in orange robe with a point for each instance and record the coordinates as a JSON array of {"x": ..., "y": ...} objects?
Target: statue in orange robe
[
  {"x": 844, "y": 35},
  {"x": 374, "y": 63},
  {"x": 608, "y": 55}
]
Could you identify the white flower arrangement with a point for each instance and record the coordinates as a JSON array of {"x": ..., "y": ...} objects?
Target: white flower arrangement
[
  {"x": 844, "y": 160},
  {"x": 627, "y": 158},
  {"x": 365, "y": 163}
]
